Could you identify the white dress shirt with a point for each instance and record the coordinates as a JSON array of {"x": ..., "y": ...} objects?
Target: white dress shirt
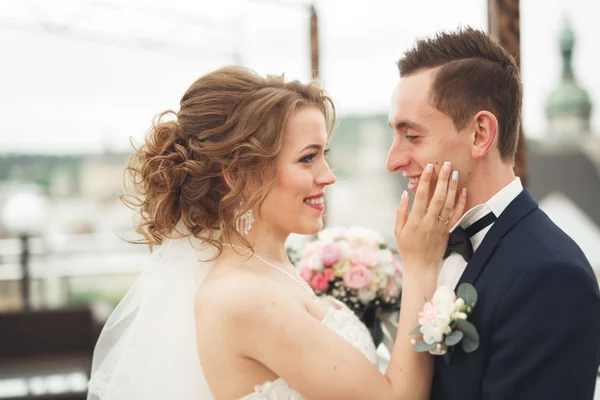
[{"x": 452, "y": 268}]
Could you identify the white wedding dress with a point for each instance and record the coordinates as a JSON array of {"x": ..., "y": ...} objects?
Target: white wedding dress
[{"x": 148, "y": 350}]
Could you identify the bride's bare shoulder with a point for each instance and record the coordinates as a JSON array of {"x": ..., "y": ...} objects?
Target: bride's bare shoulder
[{"x": 240, "y": 296}]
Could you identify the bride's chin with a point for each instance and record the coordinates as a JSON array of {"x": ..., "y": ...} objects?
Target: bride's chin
[{"x": 310, "y": 230}]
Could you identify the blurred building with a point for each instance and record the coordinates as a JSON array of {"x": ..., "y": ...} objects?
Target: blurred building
[
  {"x": 83, "y": 190},
  {"x": 564, "y": 167},
  {"x": 101, "y": 176},
  {"x": 568, "y": 107}
]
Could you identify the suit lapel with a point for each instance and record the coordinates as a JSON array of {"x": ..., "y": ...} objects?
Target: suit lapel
[{"x": 522, "y": 205}]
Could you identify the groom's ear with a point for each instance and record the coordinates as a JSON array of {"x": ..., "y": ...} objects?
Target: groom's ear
[{"x": 485, "y": 126}]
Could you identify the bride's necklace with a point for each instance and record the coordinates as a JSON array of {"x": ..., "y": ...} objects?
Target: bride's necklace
[{"x": 300, "y": 282}]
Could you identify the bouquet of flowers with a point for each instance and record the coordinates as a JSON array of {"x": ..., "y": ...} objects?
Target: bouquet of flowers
[{"x": 357, "y": 267}]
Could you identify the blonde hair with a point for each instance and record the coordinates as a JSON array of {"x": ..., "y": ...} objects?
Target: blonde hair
[{"x": 230, "y": 124}]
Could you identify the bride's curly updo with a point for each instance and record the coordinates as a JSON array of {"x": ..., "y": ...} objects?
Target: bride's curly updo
[{"x": 230, "y": 124}]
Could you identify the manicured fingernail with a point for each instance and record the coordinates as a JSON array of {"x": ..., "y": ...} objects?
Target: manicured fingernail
[
  {"x": 404, "y": 174},
  {"x": 429, "y": 168},
  {"x": 447, "y": 166},
  {"x": 454, "y": 175},
  {"x": 404, "y": 194},
  {"x": 464, "y": 192}
]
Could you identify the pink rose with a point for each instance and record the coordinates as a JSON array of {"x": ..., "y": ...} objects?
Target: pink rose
[
  {"x": 357, "y": 277},
  {"x": 397, "y": 264},
  {"x": 329, "y": 274},
  {"x": 331, "y": 253},
  {"x": 392, "y": 289},
  {"x": 306, "y": 274},
  {"x": 364, "y": 255},
  {"x": 319, "y": 282},
  {"x": 429, "y": 314}
]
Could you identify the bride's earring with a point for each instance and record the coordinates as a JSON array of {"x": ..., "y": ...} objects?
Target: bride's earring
[{"x": 243, "y": 223}]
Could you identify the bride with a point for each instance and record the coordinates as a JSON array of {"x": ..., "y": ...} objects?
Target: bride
[{"x": 221, "y": 313}]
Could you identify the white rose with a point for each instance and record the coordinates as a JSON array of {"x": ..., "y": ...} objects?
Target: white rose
[
  {"x": 432, "y": 333},
  {"x": 442, "y": 320},
  {"x": 388, "y": 269},
  {"x": 330, "y": 235},
  {"x": 373, "y": 238},
  {"x": 354, "y": 235},
  {"x": 384, "y": 257},
  {"x": 444, "y": 298},
  {"x": 346, "y": 248},
  {"x": 314, "y": 262},
  {"x": 366, "y": 295},
  {"x": 360, "y": 236}
]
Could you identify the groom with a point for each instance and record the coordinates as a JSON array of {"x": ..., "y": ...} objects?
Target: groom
[{"x": 538, "y": 314}]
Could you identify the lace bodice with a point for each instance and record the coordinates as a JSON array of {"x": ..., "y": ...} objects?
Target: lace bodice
[{"x": 346, "y": 324}]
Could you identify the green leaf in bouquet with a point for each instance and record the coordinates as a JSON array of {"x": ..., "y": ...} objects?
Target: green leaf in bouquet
[
  {"x": 453, "y": 338},
  {"x": 416, "y": 331},
  {"x": 470, "y": 342},
  {"x": 467, "y": 292},
  {"x": 422, "y": 346}
]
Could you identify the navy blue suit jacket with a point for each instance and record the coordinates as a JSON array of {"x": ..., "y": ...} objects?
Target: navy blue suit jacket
[{"x": 538, "y": 315}]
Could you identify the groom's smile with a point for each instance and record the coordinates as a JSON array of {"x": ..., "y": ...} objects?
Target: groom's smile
[{"x": 413, "y": 182}]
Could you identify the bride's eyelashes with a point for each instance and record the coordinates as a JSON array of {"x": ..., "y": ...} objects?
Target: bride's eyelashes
[{"x": 310, "y": 157}]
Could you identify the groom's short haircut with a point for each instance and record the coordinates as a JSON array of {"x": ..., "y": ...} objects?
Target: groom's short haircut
[{"x": 475, "y": 74}]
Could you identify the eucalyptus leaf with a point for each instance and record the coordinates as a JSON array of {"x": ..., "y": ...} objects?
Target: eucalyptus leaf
[
  {"x": 453, "y": 338},
  {"x": 468, "y": 329},
  {"x": 467, "y": 292},
  {"x": 422, "y": 346},
  {"x": 469, "y": 346},
  {"x": 416, "y": 331},
  {"x": 470, "y": 342}
]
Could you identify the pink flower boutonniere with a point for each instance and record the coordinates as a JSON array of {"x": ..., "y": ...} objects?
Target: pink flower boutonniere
[{"x": 443, "y": 322}]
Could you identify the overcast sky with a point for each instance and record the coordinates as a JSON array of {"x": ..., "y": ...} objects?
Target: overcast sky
[{"x": 79, "y": 76}]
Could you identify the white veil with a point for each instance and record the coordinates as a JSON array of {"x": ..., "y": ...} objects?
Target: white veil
[{"x": 147, "y": 349}]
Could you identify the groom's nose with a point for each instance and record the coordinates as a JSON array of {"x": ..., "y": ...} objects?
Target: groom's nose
[{"x": 398, "y": 158}]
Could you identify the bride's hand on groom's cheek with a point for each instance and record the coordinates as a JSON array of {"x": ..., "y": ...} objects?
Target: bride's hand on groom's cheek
[{"x": 422, "y": 233}]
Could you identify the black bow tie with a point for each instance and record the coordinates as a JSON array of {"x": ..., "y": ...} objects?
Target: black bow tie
[{"x": 460, "y": 239}]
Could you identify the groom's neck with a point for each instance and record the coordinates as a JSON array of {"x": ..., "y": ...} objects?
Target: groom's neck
[{"x": 486, "y": 181}]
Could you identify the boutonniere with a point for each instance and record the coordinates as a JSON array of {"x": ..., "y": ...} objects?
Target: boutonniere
[{"x": 443, "y": 322}]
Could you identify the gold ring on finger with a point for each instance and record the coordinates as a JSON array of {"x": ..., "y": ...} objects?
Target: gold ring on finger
[{"x": 444, "y": 220}]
